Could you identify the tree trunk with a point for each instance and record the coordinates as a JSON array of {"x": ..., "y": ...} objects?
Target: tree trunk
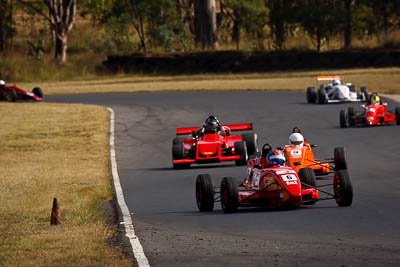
[
  {"x": 208, "y": 24},
  {"x": 61, "y": 48},
  {"x": 348, "y": 26}
]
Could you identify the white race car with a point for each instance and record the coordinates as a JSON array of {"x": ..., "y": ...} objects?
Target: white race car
[{"x": 335, "y": 92}]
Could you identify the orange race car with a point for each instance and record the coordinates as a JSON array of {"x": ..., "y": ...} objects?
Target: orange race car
[{"x": 299, "y": 154}]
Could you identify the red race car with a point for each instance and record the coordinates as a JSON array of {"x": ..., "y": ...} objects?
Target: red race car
[
  {"x": 268, "y": 183},
  {"x": 375, "y": 113},
  {"x": 13, "y": 93},
  {"x": 213, "y": 143}
]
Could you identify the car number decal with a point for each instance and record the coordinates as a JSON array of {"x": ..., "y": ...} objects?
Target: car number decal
[
  {"x": 289, "y": 178},
  {"x": 295, "y": 154}
]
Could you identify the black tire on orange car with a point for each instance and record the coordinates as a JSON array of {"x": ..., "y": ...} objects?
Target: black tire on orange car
[
  {"x": 311, "y": 95},
  {"x": 241, "y": 150},
  {"x": 339, "y": 156},
  {"x": 351, "y": 116},
  {"x": 204, "y": 192},
  {"x": 397, "y": 112},
  {"x": 307, "y": 176},
  {"x": 229, "y": 195},
  {"x": 322, "y": 97},
  {"x": 364, "y": 92},
  {"x": 10, "y": 95},
  {"x": 251, "y": 143},
  {"x": 38, "y": 92},
  {"x": 343, "y": 118},
  {"x": 178, "y": 152},
  {"x": 342, "y": 188}
]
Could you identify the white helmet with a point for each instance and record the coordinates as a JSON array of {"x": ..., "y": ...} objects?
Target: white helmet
[
  {"x": 296, "y": 139},
  {"x": 2, "y": 83},
  {"x": 336, "y": 82}
]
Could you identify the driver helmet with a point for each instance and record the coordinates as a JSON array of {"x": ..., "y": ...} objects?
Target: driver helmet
[
  {"x": 275, "y": 157},
  {"x": 336, "y": 82},
  {"x": 211, "y": 124},
  {"x": 2, "y": 83},
  {"x": 375, "y": 99},
  {"x": 296, "y": 139}
]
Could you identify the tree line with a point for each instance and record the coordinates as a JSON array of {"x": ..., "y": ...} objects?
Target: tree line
[{"x": 180, "y": 25}]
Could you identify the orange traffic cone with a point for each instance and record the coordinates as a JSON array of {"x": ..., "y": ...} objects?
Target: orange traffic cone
[{"x": 55, "y": 218}]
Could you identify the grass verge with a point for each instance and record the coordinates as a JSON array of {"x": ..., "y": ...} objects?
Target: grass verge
[
  {"x": 47, "y": 151},
  {"x": 382, "y": 80}
]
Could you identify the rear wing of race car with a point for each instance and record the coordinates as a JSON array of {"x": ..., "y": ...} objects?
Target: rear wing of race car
[
  {"x": 232, "y": 127},
  {"x": 329, "y": 77}
]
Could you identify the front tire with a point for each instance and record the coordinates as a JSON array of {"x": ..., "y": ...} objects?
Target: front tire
[
  {"x": 251, "y": 143},
  {"x": 204, "y": 192},
  {"x": 241, "y": 150},
  {"x": 340, "y": 158},
  {"x": 229, "y": 195},
  {"x": 311, "y": 95},
  {"x": 322, "y": 97},
  {"x": 343, "y": 118},
  {"x": 38, "y": 92},
  {"x": 307, "y": 176},
  {"x": 343, "y": 189},
  {"x": 10, "y": 95},
  {"x": 397, "y": 112}
]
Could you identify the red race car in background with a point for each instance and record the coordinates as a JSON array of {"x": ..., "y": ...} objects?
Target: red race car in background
[
  {"x": 215, "y": 145},
  {"x": 267, "y": 184},
  {"x": 375, "y": 113},
  {"x": 13, "y": 93}
]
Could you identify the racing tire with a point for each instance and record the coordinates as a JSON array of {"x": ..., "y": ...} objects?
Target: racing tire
[
  {"x": 178, "y": 152},
  {"x": 351, "y": 116},
  {"x": 339, "y": 157},
  {"x": 241, "y": 150},
  {"x": 397, "y": 112},
  {"x": 204, "y": 192},
  {"x": 177, "y": 140},
  {"x": 342, "y": 188},
  {"x": 322, "y": 97},
  {"x": 251, "y": 143},
  {"x": 307, "y": 176},
  {"x": 10, "y": 95},
  {"x": 364, "y": 92},
  {"x": 229, "y": 195},
  {"x": 343, "y": 118},
  {"x": 352, "y": 88},
  {"x": 38, "y": 92},
  {"x": 311, "y": 95}
]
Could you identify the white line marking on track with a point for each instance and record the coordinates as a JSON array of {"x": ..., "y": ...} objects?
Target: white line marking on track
[{"x": 127, "y": 219}]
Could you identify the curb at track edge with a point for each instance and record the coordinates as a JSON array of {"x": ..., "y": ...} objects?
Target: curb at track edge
[{"x": 123, "y": 209}]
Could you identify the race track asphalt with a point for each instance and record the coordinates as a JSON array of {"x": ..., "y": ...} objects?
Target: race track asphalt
[{"x": 174, "y": 233}]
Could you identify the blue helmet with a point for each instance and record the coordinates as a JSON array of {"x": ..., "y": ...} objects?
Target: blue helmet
[{"x": 275, "y": 157}]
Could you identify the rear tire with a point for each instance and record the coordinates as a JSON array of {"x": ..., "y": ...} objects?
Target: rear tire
[
  {"x": 351, "y": 116},
  {"x": 339, "y": 154},
  {"x": 241, "y": 150},
  {"x": 178, "y": 140},
  {"x": 343, "y": 189},
  {"x": 311, "y": 95},
  {"x": 10, "y": 95},
  {"x": 307, "y": 176},
  {"x": 343, "y": 118},
  {"x": 178, "y": 152},
  {"x": 322, "y": 97},
  {"x": 251, "y": 143},
  {"x": 38, "y": 92},
  {"x": 352, "y": 88},
  {"x": 229, "y": 195},
  {"x": 364, "y": 92},
  {"x": 397, "y": 112},
  {"x": 204, "y": 192}
]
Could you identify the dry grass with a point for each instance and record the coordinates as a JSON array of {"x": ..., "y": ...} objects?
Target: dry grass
[
  {"x": 384, "y": 80},
  {"x": 47, "y": 151}
]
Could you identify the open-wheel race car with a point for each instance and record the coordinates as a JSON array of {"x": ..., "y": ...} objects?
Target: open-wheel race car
[
  {"x": 213, "y": 143},
  {"x": 299, "y": 154},
  {"x": 374, "y": 113},
  {"x": 335, "y": 92},
  {"x": 13, "y": 93},
  {"x": 272, "y": 185}
]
